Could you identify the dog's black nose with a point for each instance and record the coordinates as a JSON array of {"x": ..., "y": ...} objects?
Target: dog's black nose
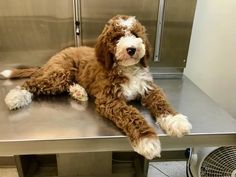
[{"x": 131, "y": 50}]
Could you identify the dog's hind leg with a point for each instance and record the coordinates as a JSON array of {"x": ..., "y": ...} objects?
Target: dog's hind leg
[
  {"x": 53, "y": 78},
  {"x": 54, "y": 83}
]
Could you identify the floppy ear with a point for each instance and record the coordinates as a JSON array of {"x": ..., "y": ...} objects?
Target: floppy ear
[
  {"x": 104, "y": 56},
  {"x": 144, "y": 60}
]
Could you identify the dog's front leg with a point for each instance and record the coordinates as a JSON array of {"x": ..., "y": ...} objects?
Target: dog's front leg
[
  {"x": 143, "y": 137},
  {"x": 172, "y": 122}
]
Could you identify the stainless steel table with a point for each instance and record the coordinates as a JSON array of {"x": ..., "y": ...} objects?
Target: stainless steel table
[{"x": 60, "y": 125}]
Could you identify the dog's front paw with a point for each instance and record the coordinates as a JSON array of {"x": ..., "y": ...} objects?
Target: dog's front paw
[
  {"x": 78, "y": 92},
  {"x": 149, "y": 147},
  {"x": 177, "y": 125}
]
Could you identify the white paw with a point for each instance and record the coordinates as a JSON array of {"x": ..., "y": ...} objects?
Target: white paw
[
  {"x": 177, "y": 125},
  {"x": 18, "y": 98},
  {"x": 78, "y": 92},
  {"x": 149, "y": 147},
  {"x": 6, "y": 74}
]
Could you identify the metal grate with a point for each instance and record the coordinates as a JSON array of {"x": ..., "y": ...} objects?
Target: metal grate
[{"x": 220, "y": 163}]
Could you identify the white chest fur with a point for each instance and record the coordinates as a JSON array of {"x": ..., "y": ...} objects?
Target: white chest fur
[{"x": 139, "y": 79}]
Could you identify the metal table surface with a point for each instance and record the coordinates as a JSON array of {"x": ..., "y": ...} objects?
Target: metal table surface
[{"x": 60, "y": 125}]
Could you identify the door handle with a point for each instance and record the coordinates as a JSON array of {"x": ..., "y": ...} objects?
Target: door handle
[{"x": 160, "y": 23}]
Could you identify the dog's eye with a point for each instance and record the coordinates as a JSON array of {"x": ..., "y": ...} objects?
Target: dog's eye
[
  {"x": 135, "y": 34},
  {"x": 116, "y": 38}
]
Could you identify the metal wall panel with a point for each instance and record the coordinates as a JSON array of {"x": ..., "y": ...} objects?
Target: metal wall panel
[
  {"x": 176, "y": 27},
  {"x": 33, "y": 30},
  {"x": 176, "y": 32},
  {"x": 94, "y": 15}
]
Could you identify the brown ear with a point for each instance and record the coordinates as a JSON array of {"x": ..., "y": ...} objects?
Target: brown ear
[
  {"x": 104, "y": 56},
  {"x": 144, "y": 60}
]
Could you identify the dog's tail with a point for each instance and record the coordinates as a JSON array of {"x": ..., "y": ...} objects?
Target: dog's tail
[{"x": 18, "y": 73}]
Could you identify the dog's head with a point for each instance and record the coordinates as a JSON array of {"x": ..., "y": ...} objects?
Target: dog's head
[{"x": 124, "y": 42}]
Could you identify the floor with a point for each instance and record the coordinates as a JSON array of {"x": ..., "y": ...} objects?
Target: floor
[
  {"x": 167, "y": 169},
  {"x": 163, "y": 169}
]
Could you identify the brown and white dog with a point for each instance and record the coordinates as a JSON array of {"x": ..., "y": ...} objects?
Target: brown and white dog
[{"x": 114, "y": 72}]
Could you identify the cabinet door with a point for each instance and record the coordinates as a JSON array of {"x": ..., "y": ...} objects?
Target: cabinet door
[
  {"x": 177, "y": 20},
  {"x": 32, "y": 30},
  {"x": 174, "y": 35},
  {"x": 95, "y": 13}
]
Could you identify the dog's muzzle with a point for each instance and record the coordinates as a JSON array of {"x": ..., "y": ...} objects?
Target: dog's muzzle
[{"x": 129, "y": 50}]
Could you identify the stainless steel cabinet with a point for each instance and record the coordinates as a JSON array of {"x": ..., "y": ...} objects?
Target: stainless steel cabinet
[
  {"x": 173, "y": 17},
  {"x": 32, "y": 30},
  {"x": 176, "y": 32},
  {"x": 94, "y": 14}
]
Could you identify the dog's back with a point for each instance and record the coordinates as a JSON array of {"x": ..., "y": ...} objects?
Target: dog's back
[{"x": 73, "y": 53}]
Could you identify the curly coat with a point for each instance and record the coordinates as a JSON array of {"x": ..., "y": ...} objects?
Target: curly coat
[{"x": 100, "y": 73}]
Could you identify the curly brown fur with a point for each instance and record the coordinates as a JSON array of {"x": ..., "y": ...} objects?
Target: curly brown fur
[
  {"x": 111, "y": 33},
  {"x": 173, "y": 123},
  {"x": 24, "y": 72},
  {"x": 125, "y": 117},
  {"x": 156, "y": 102},
  {"x": 55, "y": 77},
  {"x": 113, "y": 76}
]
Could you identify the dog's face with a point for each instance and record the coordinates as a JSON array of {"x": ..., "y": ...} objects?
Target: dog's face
[{"x": 124, "y": 42}]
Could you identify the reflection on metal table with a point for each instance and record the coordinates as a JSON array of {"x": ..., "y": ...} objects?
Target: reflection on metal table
[{"x": 60, "y": 125}]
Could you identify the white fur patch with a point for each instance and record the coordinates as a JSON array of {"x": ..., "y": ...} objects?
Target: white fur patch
[
  {"x": 78, "y": 92},
  {"x": 6, "y": 73},
  {"x": 125, "y": 42},
  {"x": 18, "y": 98},
  {"x": 127, "y": 23},
  {"x": 148, "y": 147},
  {"x": 177, "y": 125},
  {"x": 138, "y": 84}
]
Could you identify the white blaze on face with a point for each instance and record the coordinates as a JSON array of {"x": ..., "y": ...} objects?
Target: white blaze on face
[{"x": 128, "y": 23}]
